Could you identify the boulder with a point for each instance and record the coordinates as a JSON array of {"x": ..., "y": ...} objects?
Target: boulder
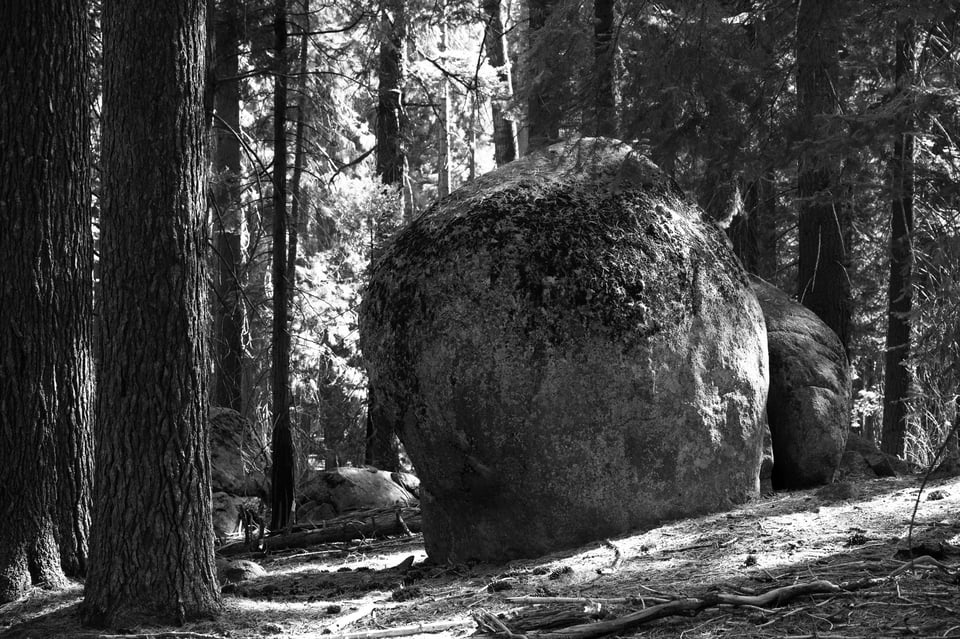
[
  {"x": 569, "y": 352},
  {"x": 808, "y": 406},
  {"x": 232, "y": 572},
  {"x": 231, "y": 512},
  {"x": 238, "y": 454},
  {"x": 330, "y": 493},
  {"x": 862, "y": 459}
]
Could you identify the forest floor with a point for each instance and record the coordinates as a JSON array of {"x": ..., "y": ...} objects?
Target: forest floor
[{"x": 834, "y": 562}]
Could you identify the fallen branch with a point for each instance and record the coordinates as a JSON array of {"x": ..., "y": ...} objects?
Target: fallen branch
[
  {"x": 586, "y": 600},
  {"x": 617, "y": 559},
  {"x": 401, "y": 631},
  {"x": 924, "y": 561},
  {"x": 346, "y": 620},
  {"x": 356, "y": 525},
  {"x": 157, "y": 635},
  {"x": 690, "y": 606}
]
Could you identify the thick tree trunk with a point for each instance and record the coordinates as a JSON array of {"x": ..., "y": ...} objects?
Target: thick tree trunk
[
  {"x": 604, "y": 53},
  {"x": 543, "y": 109},
  {"x": 151, "y": 552},
  {"x": 46, "y": 266},
  {"x": 495, "y": 45},
  {"x": 283, "y": 471},
  {"x": 228, "y": 218},
  {"x": 823, "y": 285},
  {"x": 897, "y": 377}
]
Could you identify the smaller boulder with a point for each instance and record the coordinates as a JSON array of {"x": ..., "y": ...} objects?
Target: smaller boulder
[
  {"x": 238, "y": 454},
  {"x": 341, "y": 490},
  {"x": 410, "y": 482},
  {"x": 230, "y": 512},
  {"x": 232, "y": 572},
  {"x": 808, "y": 405},
  {"x": 862, "y": 458}
]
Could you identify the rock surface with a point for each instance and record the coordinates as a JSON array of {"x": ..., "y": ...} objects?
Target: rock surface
[
  {"x": 230, "y": 512},
  {"x": 569, "y": 352},
  {"x": 232, "y": 572},
  {"x": 330, "y": 493},
  {"x": 808, "y": 406},
  {"x": 238, "y": 456}
]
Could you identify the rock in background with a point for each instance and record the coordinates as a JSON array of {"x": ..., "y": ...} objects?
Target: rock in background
[
  {"x": 569, "y": 352},
  {"x": 328, "y": 494},
  {"x": 808, "y": 406}
]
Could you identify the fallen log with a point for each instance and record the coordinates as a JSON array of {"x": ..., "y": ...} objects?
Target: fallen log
[{"x": 361, "y": 524}]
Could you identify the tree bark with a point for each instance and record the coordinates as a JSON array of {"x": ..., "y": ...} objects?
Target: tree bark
[
  {"x": 283, "y": 471},
  {"x": 495, "y": 45},
  {"x": 297, "y": 201},
  {"x": 754, "y": 232},
  {"x": 391, "y": 158},
  {"x": 823, "y": 285},
  {"x": 897, "y": 376},
  {"x": 443, "y": 147},
  {"x": 543, "y": 111},
  {"x": 46, "y": 266},
  {"x": 228, "y": 217},
  {"x": 381, "y": 448},
  {"x": 151, "y": 552},
  {"x": 605, "y": 86}
]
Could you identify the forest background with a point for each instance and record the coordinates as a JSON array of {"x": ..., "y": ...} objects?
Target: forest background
[{"x": 822, "y": 137}]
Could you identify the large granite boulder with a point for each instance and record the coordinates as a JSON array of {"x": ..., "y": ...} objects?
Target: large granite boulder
[
  {"x": 239, "y": 455},
  {"x": 808, "y": 407},
  {"x": 569, "y": 352}
]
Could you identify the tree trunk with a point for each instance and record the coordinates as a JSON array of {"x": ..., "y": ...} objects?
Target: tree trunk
[
  {"x": 495, "y": 44},
  {"x": 46, "y": 264},
  {"x": 151, "y": 552},
  {"x": 543, "y": 110},
  {"x": 443, "y": 151},
  {"x": 227, "y": 212},
  {"x": 823, "y": 285},
  {"x": 605, "y": 85},
  {"x": 381, "y": 449},
  {"x": 391, "y": 159},
  {"x": 897, "y": 377},
  {"x": 297, "y": 201},
  {"x": 283, "y": 471}
]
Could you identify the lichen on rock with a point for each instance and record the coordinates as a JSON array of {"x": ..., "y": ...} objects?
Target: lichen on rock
[{"x": 570, "y": 353}]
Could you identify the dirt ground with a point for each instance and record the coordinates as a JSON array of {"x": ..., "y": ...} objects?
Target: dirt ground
[{"x": 845, "y": 546}]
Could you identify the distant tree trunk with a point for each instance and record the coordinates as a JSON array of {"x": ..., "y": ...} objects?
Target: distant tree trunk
[
  {"x": 823, "y": 285},
  {"x": 495, "y": 45},
  {"x": 283, "y": 470},
  {"x": 443, "y": 163},
  {"x": 381, "y": 447},
  {"x": 228, "y": 218},
  {"x": 604, "y": 53},
  {"x": 543, "y": 110},
  {"x": 753, "y": 233},
  {"x": 46, "y": 265},
  {"x": 897, "y": 377},
  {"x": 151, "y": 551},
  {"x": 391, "y": 159},
  {"x": 297, "y": 202}
]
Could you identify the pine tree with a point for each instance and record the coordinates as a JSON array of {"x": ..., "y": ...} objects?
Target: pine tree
[
  {"x": 151, "y": 549},
  {"x": 46, "y": 266}
]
